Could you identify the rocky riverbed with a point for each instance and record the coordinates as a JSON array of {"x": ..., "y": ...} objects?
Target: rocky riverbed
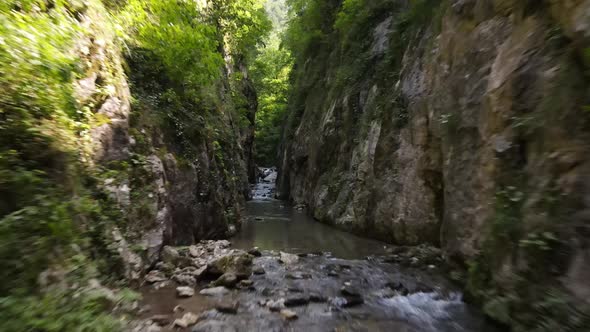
[{"x": 213, "y": 287}]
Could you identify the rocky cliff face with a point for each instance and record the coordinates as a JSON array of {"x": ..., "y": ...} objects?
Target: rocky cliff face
[
  {"x": 174, "y": 173},
  {"x": 465, "y": 126},
  {"x": 184, "y": 177}
]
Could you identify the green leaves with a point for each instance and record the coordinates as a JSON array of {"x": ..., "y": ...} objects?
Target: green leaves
[{"x": 178, "y": 33}]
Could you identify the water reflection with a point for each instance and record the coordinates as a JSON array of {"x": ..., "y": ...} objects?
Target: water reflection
[{"x": 274, "y": 226}]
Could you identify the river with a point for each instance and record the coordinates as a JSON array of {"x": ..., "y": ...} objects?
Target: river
[{"x": 339, "y": 282}]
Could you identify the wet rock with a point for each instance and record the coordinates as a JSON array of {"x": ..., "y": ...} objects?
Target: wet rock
[
  {"x": 227, "y": 307},
  {"x": 295, "y": 290},
  {"x": 184, "y": 279},
  {"x": 162, "y": 284},
  {"x": 231, "y": 230},
  {"x": 214, "y": 291},
  {"x": 300, "y": 207},
  {"x": 288, "y": 259},
  {"x": 185, "y": 291},
  {"x": 228, "y": 280},
  {"x": 161, "y": 320},
  {"x": 187, "y": 320},
  {"x": 196, "y": 251},
  {"x": 317, "y": 298},
  {"x": 213, "y": 326},
  {"x": 398, "y": 287},
  {"x": 332, "y": 274},
  {"x": 145, "y": 326},
  {"x": 352, "y": 301},
  {"x": 169, "y": 255},
  {"x": 348, "y": 290},
  {"x": 288, "y": 314},
  {"x": 237, "y": 262},
  {"x": 296, "y": 300},
  {"x": 245, "y": 283},
  {"x": 346, "y": 301},
  {"x": 223, "y": 244},
  {"x": 275, "y": 305},
  {"x": 258, "y": 270},
  {"x": 255, "y": 252},
  {"x": 298, "y": 275},
  {"x": 267, "y": 291},
  {"x": 198, "y": 273},
  {"x": 155, "y": 276},
  {"x": 165, "y": 267}
]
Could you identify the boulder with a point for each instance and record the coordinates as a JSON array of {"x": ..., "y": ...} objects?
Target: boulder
[
  {"x": 187, "y": 320},
  {"x": 196, "y": 251},
  {"x": 184, "y": 279},
  {"x": 185, "y": 291},
  {"x": 255, "y": 252},
  {"x": 227, "y": 307},
  {"x": 296, "y": 300},
  {"x": 288, "y": 259},
  {"x": 228, "y": 280},
  {"x": 237, "y": 261},
  {"x": 155, "y": 276},
  {"x": 169, "y": 255}
]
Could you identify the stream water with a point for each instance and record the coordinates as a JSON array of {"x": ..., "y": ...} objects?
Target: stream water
[
  {"x": 339, "y": 282},
  {"x": 274, "y": 225}
]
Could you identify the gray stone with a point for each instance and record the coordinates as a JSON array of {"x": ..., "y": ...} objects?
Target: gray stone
[
  {"x": 169, "y": 255},
  {"x": 275, "y": 305},
  {"x": 187, "y": 320},
  {"x": 237, "y": 262},
  {"x": 288, "y": 314},
  {"x": 184, "y": 279},
  {"x": 155, "y": 276},
  {"x": 214, "y": 291},
  {"x": 161, "y": 320},
  {"x": 228, "y": 280},
  {"x": 185, "y": 291},
  {"x": 288, "y": 259},
  {"x": 213, "y": 326},
  {"x": 296, "y": 300},
  {"x": 227, "y": 307},
  {"x": 258, "y": 270}
]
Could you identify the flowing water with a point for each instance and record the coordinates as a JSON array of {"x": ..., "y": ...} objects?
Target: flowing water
[{"x": 392, "y": 297}]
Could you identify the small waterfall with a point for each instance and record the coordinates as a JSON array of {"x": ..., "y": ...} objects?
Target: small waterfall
[{"x": 265, "y": 186}]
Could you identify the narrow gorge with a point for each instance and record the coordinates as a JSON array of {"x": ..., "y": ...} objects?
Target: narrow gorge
[{"x": 291, "y": 165}]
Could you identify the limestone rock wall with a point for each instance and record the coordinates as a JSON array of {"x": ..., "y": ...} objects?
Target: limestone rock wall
[{"x": 467, "y": 131}]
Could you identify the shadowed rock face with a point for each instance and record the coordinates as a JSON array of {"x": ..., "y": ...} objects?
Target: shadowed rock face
[{"x": 473, "y": 141}]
